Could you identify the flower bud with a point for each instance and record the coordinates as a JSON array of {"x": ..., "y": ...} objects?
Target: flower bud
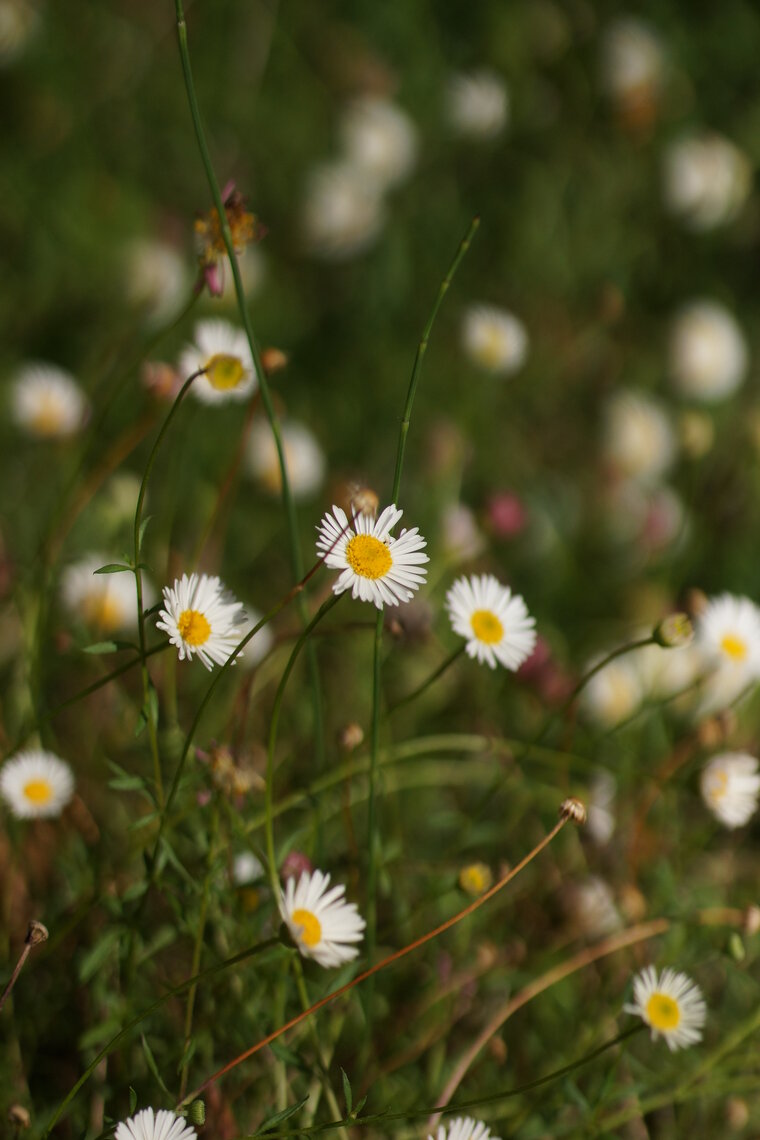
[{"x": 674, "y": 631}]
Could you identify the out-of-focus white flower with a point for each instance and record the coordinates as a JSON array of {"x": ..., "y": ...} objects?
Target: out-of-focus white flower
[
  {"x": 223, "y": 351},
  {"x": 304, "y": 458},
  {"x": 36, "y": 784},
  {"x": 730, "y": 787},
  {"x": 463, "y": 1128},
  {"x": 728, "y": 633},
  {"x": 343, "y": 212},
  {"x": 105, "y": 602},
  {"x": 379, "y": 140},
  {"x": 613, "y": 694},
  {"x": 706, "y": 180},
  {"x": 477, "y": 104},
  {"x": 18, "y": 22},
  {"x": 260, "y": 644},
  {"x": 671, "y": 1005},
  {"x": 708, "y": 352},
  {"x": 592, "y": 906},
  {"x": 664, "y": 672},
  {"x": 600, "y": 807},
  {"x": 461, "y": 537},
  {"x": 638, "y": 440},
  {"x": 156, "y": 279},
  {"x": 494, "y": 339},
  {"x": 632, "y": 60},
  {"x": 253, "y": 269},
  {"x": 47, "y": 402},
  {"x": 246, "y": 868}
]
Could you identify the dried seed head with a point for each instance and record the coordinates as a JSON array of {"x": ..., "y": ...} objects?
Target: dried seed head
[
  {"x": 36, "y": 933},
  {"x": 674, "y": 631},
  {"x": 572, "y": 809},
  {"x": 351, "y": 737},
  {"x": 19, "y": 1116}
]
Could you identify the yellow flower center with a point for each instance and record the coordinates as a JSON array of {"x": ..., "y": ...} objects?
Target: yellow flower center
[
  {"x": 102, "y": 611},
  {"x": 492, "y": 349},
  {"x": 224, "y": 371},
  {"x": 311, "y": 932},
  {"x": 48, "y": 416},
  {"x": 475, "y": 879},
  {"x": 486, "y": 627},
  {"x": 734, "y": 647},
  {"x": 663, "y": 1012},
  {"x": 193, "y": 627},
  {"x": 368, "y": 556},
  {"x": 38, "y": 792},
  {"x": 718, "y": 785}
]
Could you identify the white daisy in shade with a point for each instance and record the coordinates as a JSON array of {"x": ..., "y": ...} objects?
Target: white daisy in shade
[
  {"x": 375, "y": 566},
  {"x": 379, "y": 140},
  {"x": 728, "y": 632},
  {"x": 463, "y": 1128},
  {"x": 156, "y": 279},
  {"x": 343, "y": 212},
  {"x": 477, "y": 104},
  {"x": 223, "y": 350},
  {"x": 613, "y": 694},
  {"x": 36, "y": 784},
  {"x": 632, "y": 60},
  {"x": 708, "y": 352},
  {"x": 105, "y": 602},
  {"x": 47, "y": 402},
  {"x": 671, "y": 1005},
  {"x": 201, "y": 617},
  {"x": 494, "y": 339},
  {"x": 638, "y": 440},
  {"x": 707, "y": 180},
  {"x": 495, "y": 622},
  {"x": 150, "y": 1125},
  {"x": 304, "y": 458},
  {"x": 730, "y": 787},
  {"x": 322, "y": 924}
]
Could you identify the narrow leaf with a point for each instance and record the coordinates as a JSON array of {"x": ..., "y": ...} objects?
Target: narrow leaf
[
  {"x": 112, "y": 568},
  {"x": 280, "y": 1116},
  {"x": 153, "y": 1066},
  {"x": 347, "y": 1092}
]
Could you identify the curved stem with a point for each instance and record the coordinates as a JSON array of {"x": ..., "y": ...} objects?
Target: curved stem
[{"x": 430, "y": 680}]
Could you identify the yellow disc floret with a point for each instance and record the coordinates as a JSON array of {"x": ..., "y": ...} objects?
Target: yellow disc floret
[
  {"x": 311, "y": 932},
  {"x": 734, "y": 647},
  {"x": 487, "y": 627},
  {"x": 663, "y": 1012},
  {"x": 224, "y": 371},
  {"x": 38, "y": 791},
  {"x": 368, "y": 556},
  {"x": 193, "y": 627}
]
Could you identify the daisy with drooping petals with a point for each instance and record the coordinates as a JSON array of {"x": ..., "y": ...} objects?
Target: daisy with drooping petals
[
  {"x": 322, "y": 924},
  {"x": 376, "y": 567},
  {"x": 730, "y": 787},
  {"x": 201, "y": 617},
  {"x": 463, "y": 1128},
  {"x": 47, "y": 402},
  {"x": 495, "y": 621},
  {"x": 494, "y": 339},
  {"x": 223, "y": 351},
  {"x": 671, "y": 1006},
  {"x": 150, "y": 1125},
  {"x": 36, "y": 784}
]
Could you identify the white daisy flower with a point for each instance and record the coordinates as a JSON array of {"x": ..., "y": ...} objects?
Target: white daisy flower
[
  {"x": 632, "y": 60},
  {"x": 495, "y": 621},
  {"x": 201, "y": 617},
  {"x": 343, "y": 211},
  {"x": 706, "y": 180},
  {"x": 105, "y": 602},
  {"x": 463, "y": 1128},
  {"x": 591, "y": 904},
  {"x": 477, "y": 104},
  {"x": 223, "y": 350},
  {"x": 730, "y": 787},
  {"x": 671, "y": 1005},
  {"x": 600, "y": 807},
  {"x": 638, "y": 440},
  {"x": 304, "y": 458},
  {"x": 613, "y": 694},
  {"x": 708, "y": 352},
  {"x": 728, "y": 633},
  {"x": 246, "y": 868},
  {"x": 36, "y": 784},
  {"x": 150, "y": 1125},
  {"x": 253, "y": 270},
  {"x": 47, "y": 402},
  {"x": 321, "y": 922},
  {"x": 260, "y": 644},
  {"x": 494, "y": 339},
  {"x": 376, "y": 567},
  {"x": 379, "y": 140},
  {"x": 156, "y": 279}
]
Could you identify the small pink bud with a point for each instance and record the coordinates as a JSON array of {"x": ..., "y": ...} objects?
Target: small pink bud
[
  {"x": 505, "y": 514},
  {"x": 294, "y": 864}
]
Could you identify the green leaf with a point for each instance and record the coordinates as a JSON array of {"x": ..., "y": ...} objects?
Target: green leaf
[
  {"x": 112, "y": 568},
  {"x": 101, "y": 1032},
  {"x": 347, "y": 1092},
  {"x": 153, "y": 1066},
  {"x": 135, "y": 891},
  {"x": 141, "y": 531},
  {"x": 360, "y": 1106},
  {"x": 132, "y": 1100},
  {"x": 280, "y": 1116},
  {"x": 127, "y": 783},
  {"x": 96, "y": 957}
]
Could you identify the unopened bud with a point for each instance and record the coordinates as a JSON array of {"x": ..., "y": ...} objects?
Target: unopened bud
[
  {"x": 196, "y": 1113},
  {"x": 19, "y": 1116},
  {"x": 274, "y": 360},
  {"x": 572, "y": 809},
  {"x": 674, "y": 631},
  {"x": 351, "y": 737},
  {"x": 36, "y": 933}
]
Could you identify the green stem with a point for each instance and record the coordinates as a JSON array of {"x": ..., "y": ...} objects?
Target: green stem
[
  {"x": 274, "y": 878},
  {"x": 93, "y": 688},
  {"x": 430, "y": 680},
  {"x": 316, "y": 1043},
  {"x": 266, "y": 396},
  {"x": 148, "y": 709},
  {"x": 175, "y": 991}
]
